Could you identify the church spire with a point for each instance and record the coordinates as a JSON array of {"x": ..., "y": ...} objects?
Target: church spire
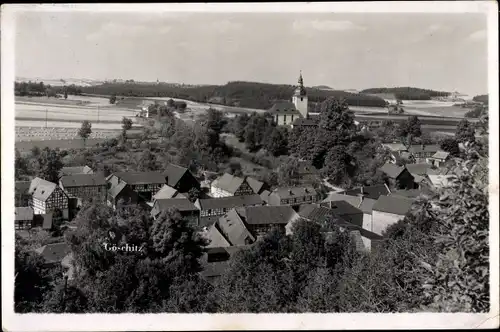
[
  {"x": 300, "y": 90},
  {"x": 301, "y": 80}
]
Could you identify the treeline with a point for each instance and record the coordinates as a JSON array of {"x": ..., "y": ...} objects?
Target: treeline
[
  {"x": 40, "y": 89},
  {"x": 409, "y": 93},
  {"x": 239, "y": 94},
  {"x": 481, "y": 98}
]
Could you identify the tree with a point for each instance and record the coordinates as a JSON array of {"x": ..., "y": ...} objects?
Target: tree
[
  {"x": 339, "y": 166},
  {"x": 411, "y": 127},
  {"x": 112, "y": 99},
  {"x": 126, "y": 123},
  {"x": 450, "y": 145},
  {"x": 465, "y": 132},
  {"x": 289, "y": 173},
  {"x": 20, "y": 165},
  {"x": 215, "y": 120},
  {"x": 239, "y": 125},
  {"x": 85, "y": 131},
  {"x": 276, "y": 142},
  {"x": 65, "y": 94},
  {"x": 50, "y": 164}
]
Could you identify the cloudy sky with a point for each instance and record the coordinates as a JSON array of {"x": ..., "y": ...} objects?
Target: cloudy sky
[{"x": 345, "y": 51}]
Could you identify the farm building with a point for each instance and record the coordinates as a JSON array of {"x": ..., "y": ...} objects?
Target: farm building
[{"x": 48, "y": 197}]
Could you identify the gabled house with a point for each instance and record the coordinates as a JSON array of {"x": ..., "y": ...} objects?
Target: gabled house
[
  {"x": 422, "y": 152},
  {"x": 85, "y": 186},
  {"x": 145, "y": 184},
  {"x": 261, "y": 219},
  {"x": 23, "y": 218},
  {"x": 21, "y": 192},
  {"x": 388, "y": 210},
  {"x": 72, "y": 170},
  {"x": 293, "y": 196},
  {"x": 439, "y": 158},
  {"x": 343, "y": 209},
  {"x": 398, "y": 177},
  {"x": 119, "y": 191},
  {"x": 47, "y": 197},
  {"x": 180, "y": 178},
  {"x": 185, "y": 207},
  {"x": 229, "y": 230},
  {"x": 212, "y": 208},
  {"x": 229, "y": 185},
  {"x": 167, "y": 192},
  {"x": 372, "y": 192},
  {"x": 54, "y": 253}
]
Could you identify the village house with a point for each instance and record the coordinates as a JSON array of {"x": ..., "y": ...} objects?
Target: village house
[
  {"x": 146, "y": 184},
  {"x": 421, "y": 152},
  {"x": 229, "y": 185},
  {"x": 21, "y": 192},
  {"x": 398, "y": 177},
  {"x": 167, "y": 192},
  {"x": 212, "y": 208},
  {"x": 48, "y": 197},
  {"x": 441, "y": 181},
  {"x": 183, "y": 205},
  {"x": 180, "y": 178},
  {"x": 439, "y": 158},
  {"x": 388, "y": 210},
  {"x": 229, "y": 230},
  {"x": 293, "y": 196},
  {"x": 261, "y": 219},
  {"x": 72, "y": 170},
  {"x": 119, "y": 191},
  {"x": 341, "y": 208},
  {"x": 54, "y": 253},
  {"x": 372, "y": 192},
  {"x": 23, "y": 218},
  {"x": 285, "y": 113},
  {"x": 85, "y": 187}
]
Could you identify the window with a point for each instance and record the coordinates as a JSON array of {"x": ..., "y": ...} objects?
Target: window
[{"x": 284, "y": 119}]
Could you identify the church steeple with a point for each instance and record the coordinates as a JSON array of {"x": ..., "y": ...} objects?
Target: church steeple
[{"x": 301, "y": 90}]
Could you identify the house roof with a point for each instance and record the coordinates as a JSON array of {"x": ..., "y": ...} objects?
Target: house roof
[
  {"x": 393, "y": 204},
  {"x": 290, "y": 192},
  {"x": 256, "y": 185},
  {"x": 54, "y": 252},
  {"x": 174, "y": 174},
  {"x": 284, "y": 107},
  {"x": 334, "y": 197},
  {"x": 267, "y": 215},
  {"x": 392, "y": 170},
  {"x": 265, "y": 195},
  {"x": 217, "y": 240},
  {"x": 395, "y": 147},
  {"x": 83, "y": 180},
  {"x": 305, "y": 122},
  {"x": 75, "y": 170},
  {"x": 316, "y": 213},
  {"x": 41, "y": 189},
  {"x": 423, "y": 148},
  {"x": 136, "y": 178},
  {"x": 116, "y": 189},
  {"x": 367, "y": 205},
  {"x": 234, "y": 228},
  {"x": 23, "y": 213},
  {"x": 228, "y": 182},
  {"x": 181, "y": 204},
  {"x": 343, "y": 208},
  {"x": 418, "y": 169},
  {"x": 441, "y": 180},
  {"x": 167, "y": 192},
  {"x": 408, "y": 193},
  {"x": 228, "y": 202},
  {"x": 373, "y": 192},
  {"x": 441, "y": 155}
]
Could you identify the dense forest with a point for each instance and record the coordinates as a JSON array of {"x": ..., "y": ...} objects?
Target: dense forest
[
  {"x": 409, "y": 93},
  {"x": 240, "y": 94}
]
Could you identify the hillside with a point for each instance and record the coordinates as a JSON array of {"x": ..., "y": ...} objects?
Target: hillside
[
  {"x": 408, "y": 93},
  {"x": 240, "y": 94},
  {"x": 481, "y": 98}
]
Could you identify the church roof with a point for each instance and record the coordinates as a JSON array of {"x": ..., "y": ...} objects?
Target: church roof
[{"x": 284, "y": 107}]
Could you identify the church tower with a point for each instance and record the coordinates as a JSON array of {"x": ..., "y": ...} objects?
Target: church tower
[{"x": 299, "y": 98}]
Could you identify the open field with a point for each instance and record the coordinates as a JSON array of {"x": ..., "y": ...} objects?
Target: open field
[
  {"x": 61, "y": 144},
  {"x": 33, "y": 133}
]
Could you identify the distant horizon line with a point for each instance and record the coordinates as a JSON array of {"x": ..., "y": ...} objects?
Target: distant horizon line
[{"x": 208, "y": 84}]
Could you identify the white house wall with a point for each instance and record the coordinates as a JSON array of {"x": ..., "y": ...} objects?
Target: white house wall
[{"x": 382, "y": 220}]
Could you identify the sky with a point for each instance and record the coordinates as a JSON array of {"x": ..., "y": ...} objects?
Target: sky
[{"x": 445, "y": 52}]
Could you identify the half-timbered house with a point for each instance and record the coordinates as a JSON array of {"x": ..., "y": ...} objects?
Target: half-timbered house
[
  {"x": 212, "y": 208},
  {"x": 47, "y": 196},
  {"x": 85, "y": 186}
]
